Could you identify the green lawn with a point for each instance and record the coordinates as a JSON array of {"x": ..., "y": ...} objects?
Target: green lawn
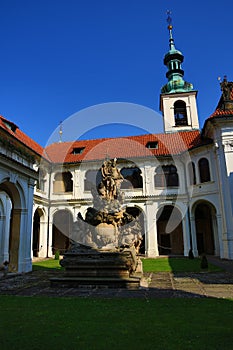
[
  {"x": 121, "y": 323},
  {"x": 149, "y": 265},
  {"x": 83, "y": 323},
  {"x": 46, "y": 264},
  {"x": 176, "y": 265}
]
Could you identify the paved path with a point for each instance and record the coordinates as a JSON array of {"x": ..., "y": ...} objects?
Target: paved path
[{"x": 154, "y": 285}]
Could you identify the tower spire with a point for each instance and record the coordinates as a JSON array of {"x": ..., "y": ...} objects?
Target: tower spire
[
  {"x": 177, "y": 98},
  {"x": 173, "y": 60},
  {"x": 169, "y": 27}
]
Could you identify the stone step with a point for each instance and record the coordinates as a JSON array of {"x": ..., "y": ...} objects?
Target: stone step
[
  {"x": 90, "y": 272},
  {"x": 95, "y": 282}
]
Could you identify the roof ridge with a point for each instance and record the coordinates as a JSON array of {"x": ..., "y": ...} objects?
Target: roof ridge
[{"x": 123, "y": 137}]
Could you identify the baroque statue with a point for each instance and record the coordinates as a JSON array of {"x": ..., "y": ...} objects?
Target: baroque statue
[{"x": 107, "y": 225}]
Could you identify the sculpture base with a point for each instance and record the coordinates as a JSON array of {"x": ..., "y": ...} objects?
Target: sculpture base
[
  {"x": 96, "y": 282},
  {"x": 91, "y": 268}
]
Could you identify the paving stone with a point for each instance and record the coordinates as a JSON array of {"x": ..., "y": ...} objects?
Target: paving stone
[{"x": 154, "y": 285}]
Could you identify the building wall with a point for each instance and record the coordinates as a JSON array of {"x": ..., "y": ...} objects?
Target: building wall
[
  {"x": 185, "y": 198},
  {"x": 16, "y": 202}
]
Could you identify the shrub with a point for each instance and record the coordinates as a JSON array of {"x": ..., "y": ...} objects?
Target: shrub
[
  {"x": 204, "y": 262},
  {"x": 191, "y": 256},
  {"x": 57, "y": 255}
]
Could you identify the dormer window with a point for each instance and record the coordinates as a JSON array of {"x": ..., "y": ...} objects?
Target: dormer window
[
  {"x": 180, "y": 113},
  {"x": 78, "y": 150},
  {"x": 152, "y": 145},
  {"x": 10, "y": 125}
]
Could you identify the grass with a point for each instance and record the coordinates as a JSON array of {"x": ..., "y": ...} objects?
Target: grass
[
  {"x": 164, "y": 264},
  {"x": 83, "y": 323},
  {"x": 96, "y": 323},
  {"x": 167, "y": 264},
  {"x": 46, "y": 264}
]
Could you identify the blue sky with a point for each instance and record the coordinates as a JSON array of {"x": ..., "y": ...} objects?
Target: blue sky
[{"x": 60, "y": 57}]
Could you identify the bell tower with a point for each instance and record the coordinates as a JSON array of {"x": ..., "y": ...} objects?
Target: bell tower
[{"x": 177, "y": 99}]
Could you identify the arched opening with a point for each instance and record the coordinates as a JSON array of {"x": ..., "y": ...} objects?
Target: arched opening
[
  {"x": 166, "y": 176},
  {"x": 92, "y": 179},
  {"x": 137, "y": 213},
  {"x": 62, "y": 229},
  {"x": 40, "y": 183},
  {"x": 132, "y": 178},
  {"x": 63, "y": 182},
  {"x": 170, "y": 231},
  {"x": 192, "y": 173},
  {"x": 204, "y": 219},
  {"x": 13, "y": 222},
  {"x": 180, "y": 113},
  {"x": 38, "y": 215},
  {"x": 204, "y": 170}
]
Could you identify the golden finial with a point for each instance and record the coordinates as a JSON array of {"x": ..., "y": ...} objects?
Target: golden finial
[
  {"x": 169, "y": 20},
  {"x": 60, "y": 132}
]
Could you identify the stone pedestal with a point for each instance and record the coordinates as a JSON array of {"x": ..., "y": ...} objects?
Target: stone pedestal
[{"x": 99, "y": 269}]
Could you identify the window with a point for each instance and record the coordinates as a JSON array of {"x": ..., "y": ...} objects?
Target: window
[
  {"x": 10, "y": 125},
  {"x": 92, "y": 179},
  {"x": 180, "y": 113},
  {"x": 63, "y": 182},
  {"x": 78, "y": 150},
  {"x": 204, "y": 170},
  {"x": 40, "y": 183},
  {"x": 192, "y": 174},
  {"x": 159, "y": 177},
  {"x": 166, "y": 176},
  {"x": 152, "y": 145},
  {"x": 132, "y": 178}
]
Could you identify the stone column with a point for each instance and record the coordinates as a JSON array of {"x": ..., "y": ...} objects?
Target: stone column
[
  {"x": 225, "y": 200},
  {"x": 151, "y": 230},
  {"x": 194, "y": 236},
  {"x": 43, "y": 239},
  {"x": 2, "y": 237},
  {"x": 25, "y": 260},
  {"x": 5, "y": 221},
  {"x": 148, "y": 187},
  {"x": 14, "y": 239},
  {"x": 223, "y": 239},
  {"x": 50, "y": 239},
  {"x": 186, "y": 234}
]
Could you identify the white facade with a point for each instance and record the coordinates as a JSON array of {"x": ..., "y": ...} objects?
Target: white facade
[
  {"x": 17, "y": 179},
  {"x": 167, "y": 107},
  {"x": 150, "y": 200}
]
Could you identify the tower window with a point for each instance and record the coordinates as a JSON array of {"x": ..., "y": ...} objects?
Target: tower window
[{"x": 180, "y": 113}]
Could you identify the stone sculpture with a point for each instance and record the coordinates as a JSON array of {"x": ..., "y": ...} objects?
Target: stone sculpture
[
  {"x": 105, "y": 244},
  {"x": 107, "y": 225}
]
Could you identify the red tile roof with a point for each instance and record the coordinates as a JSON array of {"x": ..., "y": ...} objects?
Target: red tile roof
[
  {"x": 98, "y": 149},
  {"x": 16, "y": 133},
  {"x": 125, "y": 147},
  {"x": 224, "y": 107},
  {"x": 221, "y": 113}
]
